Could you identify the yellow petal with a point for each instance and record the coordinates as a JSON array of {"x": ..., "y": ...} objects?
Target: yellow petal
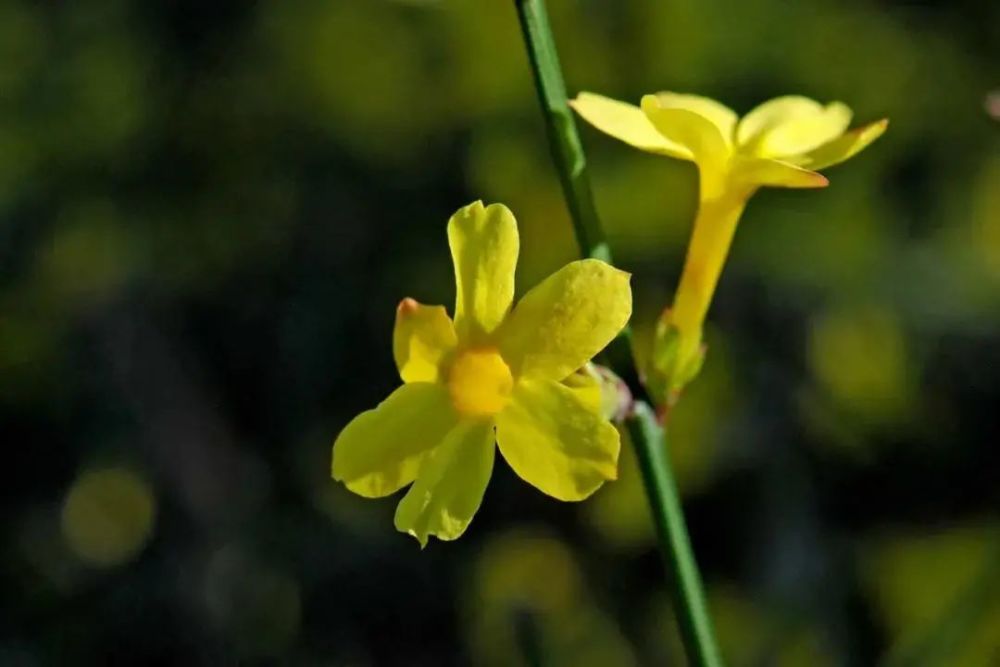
[
  {"x": 484, "y": 246},
  {"x": 696, "y": 133},
  {"x": 754, "y": 172},
  {"x": 791, "y": 125},
  {"x": 422, "y": 338},
  {"x": 380, "y": 451},
  {"x": 451, "y": 484},
  {"x": 843, "y": 147},
  {"x": 566, "y": 319},
  {"x": 717, "y": 113},
  {"x": 627, "y": 123},
  {"x": 772, "y": 113},
  {"x": 555, "y": 442},
  {"x": 804, "y": 134},
  {"x": 586, "y": 384}
]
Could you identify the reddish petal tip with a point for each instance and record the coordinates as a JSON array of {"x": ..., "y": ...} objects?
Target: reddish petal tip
[{"x": 407, "y": 306}]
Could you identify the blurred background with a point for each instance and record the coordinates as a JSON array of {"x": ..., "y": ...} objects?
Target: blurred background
[{"x": 209, "y": 211}]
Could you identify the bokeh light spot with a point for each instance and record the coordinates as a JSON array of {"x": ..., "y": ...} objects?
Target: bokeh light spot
[
  {"x": 860, "y": 356},
  {"x": 108, "y": 516}
]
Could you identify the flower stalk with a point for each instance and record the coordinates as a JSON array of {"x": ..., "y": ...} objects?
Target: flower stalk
[
  {"x": 648, "y": 437},
  {"x": 714, "y": 228},
  {"x": 679, "y": 351}
]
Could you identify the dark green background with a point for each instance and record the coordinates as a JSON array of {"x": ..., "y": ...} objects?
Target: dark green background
[{"x": 209, "y": 211}]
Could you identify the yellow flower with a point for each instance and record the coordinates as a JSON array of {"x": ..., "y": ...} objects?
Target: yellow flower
[
  {"x": 782, "y": 143},
  {"x": 494, "y": 376}
]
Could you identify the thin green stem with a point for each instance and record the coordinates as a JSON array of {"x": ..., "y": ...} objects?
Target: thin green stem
[
  {"x": 650, "y": 440},
  {"x": 648, "y": 437}
]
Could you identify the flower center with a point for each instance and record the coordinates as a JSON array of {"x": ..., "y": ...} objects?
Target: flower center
[{"x": 479, "y": 382}]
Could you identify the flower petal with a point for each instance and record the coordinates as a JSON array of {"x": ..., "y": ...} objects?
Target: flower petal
[
  {"x": 696, "y": 133},
  {"x": 627, "y": 123},
  {"x": 380, "y": 450},
  {"x": 450, "y": 486},
  {"x": 717, "y": 113},
  {"x": 765, "y": 117},
  {"x": 566, "y": 319},
  {"x": 804, "y": 134},
  {"x": 587, "y": 387},
  {"x": 555, "y": 442},
  {"x": 423, "y": 336},
  {"x": 484, "y": 246},
  {"x": 843, "y": 147},
  {"x": 754, "y": 172},
  {"x": 791, "y": 125}
]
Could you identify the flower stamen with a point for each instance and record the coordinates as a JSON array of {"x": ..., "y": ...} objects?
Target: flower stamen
[{"x": 479, "y": 382}]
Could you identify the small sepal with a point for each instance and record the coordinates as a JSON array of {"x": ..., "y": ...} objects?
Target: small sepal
[{"x": 677, "y": 360}]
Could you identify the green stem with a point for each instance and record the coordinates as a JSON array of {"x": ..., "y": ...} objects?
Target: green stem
[
  {"x": 648, "y": 437},
  {"x": 650, "y": 440},
  {"x": 565, "y": 142}
]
